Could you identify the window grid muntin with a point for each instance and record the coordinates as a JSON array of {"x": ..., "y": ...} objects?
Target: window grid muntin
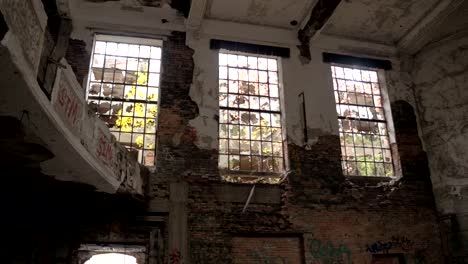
[
  {"x": 386, "y": 162},
  {"x": 149, "y": 131},
  {"x": 226, "y": 79}
]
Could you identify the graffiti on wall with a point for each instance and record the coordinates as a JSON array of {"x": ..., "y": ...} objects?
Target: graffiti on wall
[
  {"x": 400, "y": 242},
  {"x": 325, "y": 252},
  {"x": 105, "y": 150},
  {"x": 379, "y": 247},
  {"x": 67, "y": 103},
  {"x": 175, "y": 257}
]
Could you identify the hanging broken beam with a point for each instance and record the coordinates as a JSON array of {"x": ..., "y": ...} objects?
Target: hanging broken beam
[{"x": 319, "y": 16}]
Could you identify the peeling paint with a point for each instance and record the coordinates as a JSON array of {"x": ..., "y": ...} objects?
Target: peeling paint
[
  {"x": 258, "y": 8},
  {"x": 376, "y": 21}
]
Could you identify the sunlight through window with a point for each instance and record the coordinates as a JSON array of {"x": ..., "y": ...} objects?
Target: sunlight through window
[{"x": 113, "y": 258}]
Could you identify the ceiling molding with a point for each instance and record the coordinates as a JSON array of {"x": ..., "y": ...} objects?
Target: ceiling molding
[{"x": 419, "y": 35}]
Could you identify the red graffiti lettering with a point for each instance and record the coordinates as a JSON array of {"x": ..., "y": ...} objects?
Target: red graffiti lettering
[
  {"x": 175, "y": 257},
  {"x": 68, "y": 105},
  {"x": 104, "y": 150}
]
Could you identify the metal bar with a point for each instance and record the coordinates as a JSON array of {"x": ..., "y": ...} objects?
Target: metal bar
[
  {"x": 90, "y": 97},
  {"x": 304, "y": 117},
  {"x": 362, "y": 119},
  {"x": 250, "y": 110},
  {"x": 248, "y": 199}
]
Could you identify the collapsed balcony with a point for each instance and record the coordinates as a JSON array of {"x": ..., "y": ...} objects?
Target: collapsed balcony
[{"x": 81, "y": 147}]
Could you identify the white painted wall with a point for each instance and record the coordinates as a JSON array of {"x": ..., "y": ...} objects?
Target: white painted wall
[
  {"x": 440, "y": 77},
  {"x": 314, "y": 79}
]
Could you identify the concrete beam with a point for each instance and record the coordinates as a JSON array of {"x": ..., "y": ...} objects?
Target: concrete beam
[
  {"x": 197, "y": 12},
  {"x": 63, "y": 8},
  {"x": 417, "y": 36},
  {"x": 257, "y": 34},
  {"x": 182, "y": 6},
  {"x": 306, "y": 16},
  {"x": 178, "y": 225},
  {"x": 319, "y": 16}
]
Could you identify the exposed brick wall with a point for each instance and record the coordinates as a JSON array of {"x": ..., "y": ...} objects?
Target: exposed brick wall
[
  {"x": 251, "y": 250},
  {"x": 325, "y": 217},
  {"x": 178, "y": 156},
  {"x": 315, "y": 216},
  {"x": 78, "y": 57},
  {"x": 413, "y": 159}
]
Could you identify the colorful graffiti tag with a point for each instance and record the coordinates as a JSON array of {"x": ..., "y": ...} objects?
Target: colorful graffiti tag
[{"x": 326, "y": 252}]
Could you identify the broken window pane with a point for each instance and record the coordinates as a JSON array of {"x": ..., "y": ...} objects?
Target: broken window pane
[
  {"x": 361, "y": 119},
  {"x": 234, "y": 162},
  {"x": 249, "y": 103},
  {"x": 120, "y": 74}
]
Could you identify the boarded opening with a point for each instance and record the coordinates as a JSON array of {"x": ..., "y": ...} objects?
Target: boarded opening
[{"x": 388, "y": 259}]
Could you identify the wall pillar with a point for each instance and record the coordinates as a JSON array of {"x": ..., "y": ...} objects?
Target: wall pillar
[{"x": 178, "y": 237}]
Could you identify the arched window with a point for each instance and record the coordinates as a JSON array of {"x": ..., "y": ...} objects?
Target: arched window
[{"x": 113, "y": 258}]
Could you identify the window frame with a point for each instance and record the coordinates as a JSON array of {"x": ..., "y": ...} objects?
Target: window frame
[
  {"x": 387, "y": 120},
  {"x": 130, "y": 40},
  {"x": 252, "y": 175}
]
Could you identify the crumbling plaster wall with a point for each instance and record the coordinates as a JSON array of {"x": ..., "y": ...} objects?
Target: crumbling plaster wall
[
  {"x": 314, "y": 79},
  {"x": 316, "y": 202},
  {"x": 440, "y": 75}
]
